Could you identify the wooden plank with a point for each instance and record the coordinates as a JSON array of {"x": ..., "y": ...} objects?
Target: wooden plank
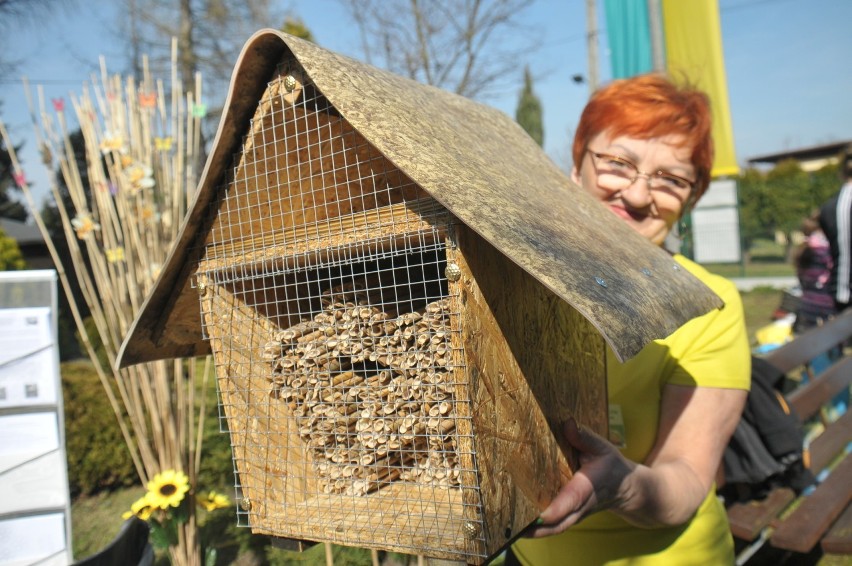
[
  {"x": 521, "y": 465},
  {"x": 838, "y": 540},
  {"x": 804, "y": 527},
  {"x": 825, "y": 447},
  {"x": 807, "y": 399},
  {"x": 749, "y": 519},
  {"x": 812, "y": 343},
  {"x": 362, "y": 227}
]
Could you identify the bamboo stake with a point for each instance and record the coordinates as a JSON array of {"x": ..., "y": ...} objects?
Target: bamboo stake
[{"x": 130, "y": 180}]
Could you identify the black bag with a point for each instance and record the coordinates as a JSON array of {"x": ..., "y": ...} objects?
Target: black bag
[{"x": 766, "y": 449}]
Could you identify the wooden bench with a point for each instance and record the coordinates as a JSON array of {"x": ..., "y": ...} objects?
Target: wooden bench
[{"x": 822, "y": 516}]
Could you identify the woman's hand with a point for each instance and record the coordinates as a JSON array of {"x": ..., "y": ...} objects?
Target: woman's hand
[
  {"x": 596, "y": 485},
  {"x": 668, "y": 487}
]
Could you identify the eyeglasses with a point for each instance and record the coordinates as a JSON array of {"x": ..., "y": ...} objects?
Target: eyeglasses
[{"x": 617, "y": 173}]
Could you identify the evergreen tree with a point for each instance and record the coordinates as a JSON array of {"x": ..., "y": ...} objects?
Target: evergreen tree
[
  {"x": 295, "y": 26},
  {"x": 529, "y": 112}
]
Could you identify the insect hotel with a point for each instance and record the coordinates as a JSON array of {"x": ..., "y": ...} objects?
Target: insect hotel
[{"x": 405, "y": 299}]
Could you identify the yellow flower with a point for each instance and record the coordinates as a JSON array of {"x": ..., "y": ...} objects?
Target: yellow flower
[
  {"x": 163, "y": 144},
  {"x": 84, "y": 225},
  {"x": 214, "y": 500},
  {"x": 167, "y": 489},
  {"x": 114, "y": 255},
  {"x": 142, "y": 508}
]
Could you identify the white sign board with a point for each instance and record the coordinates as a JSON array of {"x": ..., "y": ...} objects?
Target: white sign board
[
  {"x": 716, "y": 225},
  {"x": 27, "y": 358},
  {"x": 35, "y": 514}
]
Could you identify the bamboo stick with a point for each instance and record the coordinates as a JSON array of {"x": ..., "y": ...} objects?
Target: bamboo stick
[{"x": 154, "y": 403}]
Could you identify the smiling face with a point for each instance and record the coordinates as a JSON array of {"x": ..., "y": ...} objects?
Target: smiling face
[{"x": 654, "y": 201}]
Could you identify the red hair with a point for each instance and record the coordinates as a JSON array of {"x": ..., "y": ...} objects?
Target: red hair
[{"x": 650, "y": 106}]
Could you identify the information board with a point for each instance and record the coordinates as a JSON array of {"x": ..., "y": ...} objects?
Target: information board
[{"x": 35, "y": 515}]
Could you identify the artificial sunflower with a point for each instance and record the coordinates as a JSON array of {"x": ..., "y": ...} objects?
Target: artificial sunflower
[
  {"x": 167, "y": 489},
  {"x": 214, "y": 501},
  {"x": 142, "y": 508}
]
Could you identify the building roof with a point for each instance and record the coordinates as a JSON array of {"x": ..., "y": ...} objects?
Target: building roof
[
  {"x": 476, "y": 162},
  {"x": 23, "y": 233},
  {"x": 813, "y": 153}
]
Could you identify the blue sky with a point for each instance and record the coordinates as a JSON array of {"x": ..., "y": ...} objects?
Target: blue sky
[{"x": 787, "y": 64}]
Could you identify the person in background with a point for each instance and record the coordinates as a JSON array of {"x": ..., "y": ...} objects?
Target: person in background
[
  {"x": 813, "y": 268},
  {"x": 835, "y": 219},
  {"x": 643, "y": 148}
]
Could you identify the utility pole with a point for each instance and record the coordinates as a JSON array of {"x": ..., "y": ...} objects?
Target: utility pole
[{"x": 592, "y": 43}]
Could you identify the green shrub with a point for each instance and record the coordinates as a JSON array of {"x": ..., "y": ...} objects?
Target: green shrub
[{"x": 98, "y": 458}]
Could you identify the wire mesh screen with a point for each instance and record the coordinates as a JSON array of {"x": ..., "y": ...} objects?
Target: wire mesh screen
[{"x": 336, "y": 338}]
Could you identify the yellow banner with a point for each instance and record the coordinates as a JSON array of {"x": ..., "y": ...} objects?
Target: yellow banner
[{"x": 694, "y": 51}]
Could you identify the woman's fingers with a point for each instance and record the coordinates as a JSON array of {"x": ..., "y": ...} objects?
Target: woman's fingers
[
  {"x": 580, "y": 496},
  {"x": 569, "y": 506}
]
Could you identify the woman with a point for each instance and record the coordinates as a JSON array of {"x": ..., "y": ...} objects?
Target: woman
[{"x": 643, "y": 148}]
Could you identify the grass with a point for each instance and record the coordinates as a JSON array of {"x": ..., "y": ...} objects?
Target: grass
[
  {"x": 759, "y": 305},
  {"x": 95, "y": 520},
  {"x": 754, "y": 269}
]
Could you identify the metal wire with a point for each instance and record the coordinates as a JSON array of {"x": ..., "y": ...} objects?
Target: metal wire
[{"x": 336, "y": 337}]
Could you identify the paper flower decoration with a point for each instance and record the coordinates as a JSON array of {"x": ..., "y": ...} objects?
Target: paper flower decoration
[
  {"x": 84, "y": 225},
  {"x": 139, "y": 176},
  {"x": 114, "y": 255},
  {"x": 147, "y": 99},
  {"x": 163, "y": 144},
  {"x": 111, "y": 142}
]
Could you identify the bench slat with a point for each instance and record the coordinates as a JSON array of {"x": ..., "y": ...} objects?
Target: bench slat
[
  {"x": 802, "y": 529},
  {"x": 812, "y": 343},
  {"x": 807, "y": 399},
  {"x": 749, "y": 519},
  {"x": 839, "y": 537},
  {"x": 825, "y": 447}
]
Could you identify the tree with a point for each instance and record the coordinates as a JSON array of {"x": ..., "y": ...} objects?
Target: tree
[
  {"x": 529, "y": 113},
  {"x": 295, "y": 26},
  {"x": 10, "y": 254},
  {"x": 792, "y": 202},
  {"x": 779, "y": 199},
  {"x": 10, "y": 207},
  {"x": 26, "y": 13},
  {"x": 210, "y": 35},
  {"x": 464, "y": 46},
  {"x": 755, "y": 207}
]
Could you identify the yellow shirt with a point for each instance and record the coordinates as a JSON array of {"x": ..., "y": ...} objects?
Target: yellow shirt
[{"x": 708, "y": 351}]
